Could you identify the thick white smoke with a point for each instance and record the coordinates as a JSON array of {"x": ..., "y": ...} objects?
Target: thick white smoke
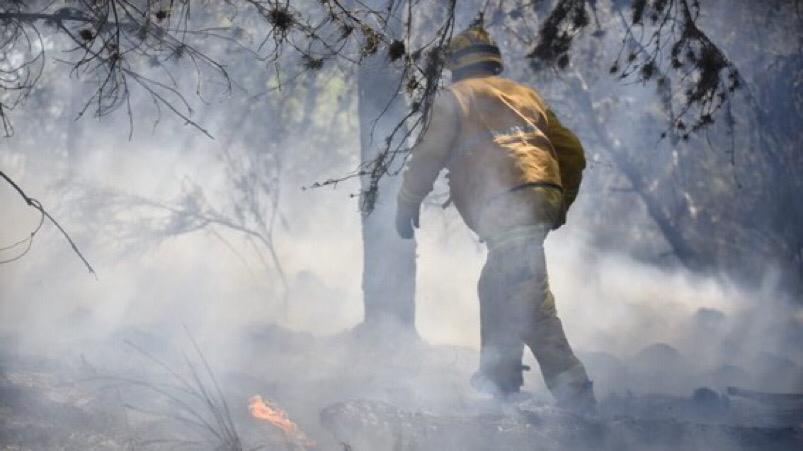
[{"x": 629, "y": 320}]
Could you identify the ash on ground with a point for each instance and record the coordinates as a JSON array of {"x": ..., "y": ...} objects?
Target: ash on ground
[{"x": 354, "y": 391}]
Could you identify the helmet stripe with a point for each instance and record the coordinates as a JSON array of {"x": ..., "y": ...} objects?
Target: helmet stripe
[{"x": 476, "y": 48}]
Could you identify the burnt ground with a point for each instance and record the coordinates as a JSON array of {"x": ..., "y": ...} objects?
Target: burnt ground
[{"x": 358, "y": 391}]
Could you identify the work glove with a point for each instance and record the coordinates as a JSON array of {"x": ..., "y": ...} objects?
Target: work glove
[{"x": 407, "y": 217}]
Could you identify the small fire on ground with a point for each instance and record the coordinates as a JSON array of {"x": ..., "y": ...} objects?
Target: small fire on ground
[{"x": 270, "y": 412}]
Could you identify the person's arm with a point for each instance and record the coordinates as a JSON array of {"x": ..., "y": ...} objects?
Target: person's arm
[
  {"x": 571, "y": 156},
  {"x": 427, "y": 159}
]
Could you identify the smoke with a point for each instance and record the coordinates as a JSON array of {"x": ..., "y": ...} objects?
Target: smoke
[
  {"x": 638, "y": 327},
  {"x": 628, "y": 320}
]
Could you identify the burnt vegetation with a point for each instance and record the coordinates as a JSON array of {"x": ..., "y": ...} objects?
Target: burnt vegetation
[
  {"x": 180, "y": 58},
  {"x": 120, "y": 45},
  {"x": 662, "y": 44},
  {"x": 691, "y": 130}
]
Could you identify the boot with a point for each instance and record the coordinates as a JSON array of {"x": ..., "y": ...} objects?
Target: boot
[
  {"x": 577, "y": 397},
  {"x": 485, "y": 384}
]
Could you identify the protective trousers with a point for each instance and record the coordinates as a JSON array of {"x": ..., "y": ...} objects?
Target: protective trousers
[{"x": 517, "y": 308}]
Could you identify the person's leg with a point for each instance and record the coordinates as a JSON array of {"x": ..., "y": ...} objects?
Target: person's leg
[
  {"x": 500, "y": 347},
  {"x": 542, "y": 331}
]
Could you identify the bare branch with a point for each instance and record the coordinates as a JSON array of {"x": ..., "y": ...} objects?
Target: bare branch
[{"x": 38, "y": 206}]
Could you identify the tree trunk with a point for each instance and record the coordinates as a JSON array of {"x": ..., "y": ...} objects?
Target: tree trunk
[
  {"x": 681, "y": 247},
  {"x": 388, "y": 278}
]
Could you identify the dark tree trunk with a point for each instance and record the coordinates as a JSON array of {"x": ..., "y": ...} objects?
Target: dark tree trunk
[
  {"x": 388, "y": 278},
  {"x": 681, "y": 247}
]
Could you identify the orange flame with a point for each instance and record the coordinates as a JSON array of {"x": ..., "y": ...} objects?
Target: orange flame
[{"x": 271, "y": 413}]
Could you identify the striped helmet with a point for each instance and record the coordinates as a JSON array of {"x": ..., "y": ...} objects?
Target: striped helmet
[{"x": 472, "y": 52}]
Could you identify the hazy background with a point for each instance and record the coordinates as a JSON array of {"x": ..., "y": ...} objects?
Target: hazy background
[
  {"x": 610, "y": 303},
  {"x": 643, "y": 319}
]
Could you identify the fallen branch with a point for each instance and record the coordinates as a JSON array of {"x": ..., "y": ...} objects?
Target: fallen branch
[
  {"x": 44, "y": 214},
  {"x": 769, "y": 398}
]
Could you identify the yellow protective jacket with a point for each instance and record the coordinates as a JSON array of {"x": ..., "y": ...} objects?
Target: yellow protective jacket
[{"x": 511, "y": 162}]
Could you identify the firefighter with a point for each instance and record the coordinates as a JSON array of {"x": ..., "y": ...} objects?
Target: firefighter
[{"x": 513, "y": 172}]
